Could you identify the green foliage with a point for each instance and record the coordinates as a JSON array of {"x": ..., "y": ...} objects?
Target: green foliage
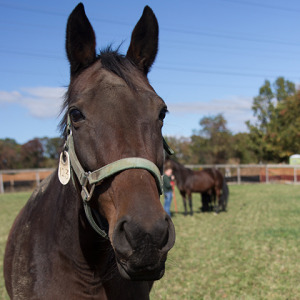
[
  {"x": 181, "y": 147},
  {"x": 52, "y": 147},
  {"x": 243, "y": 148},
  {"x": 9, "y": 154},
  {"x": 212, "y": 143},
  {"x": 263, "y": 105},
  {"x": 36, "y": 153},
  {"x": 284, "y": 89},
  {"x": 32, "y": 154},
  {"x": 275, "y": 134}
]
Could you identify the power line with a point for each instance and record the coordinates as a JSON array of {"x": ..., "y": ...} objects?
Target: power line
[
  {"x": 193, "y": 32},
  {"x": 262, "y": 5},
  {"x": 32, "y": 9},
  {"x": 14, "y": 52},
  {"x": 174, "y": 30},
  {"x": 168, "y": 68},
  {"x": 212, "y": 72},
  {"x": 247, "y": 39}
]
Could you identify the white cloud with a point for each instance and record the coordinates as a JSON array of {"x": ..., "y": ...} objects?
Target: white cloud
[
  {"x": 41, "y": 102},
  {"x": 9, "y": 97},
  {"x": 234, "y": 104},
  {"x": 236, "y": 110},
  {"x": 45, "y": 102}
]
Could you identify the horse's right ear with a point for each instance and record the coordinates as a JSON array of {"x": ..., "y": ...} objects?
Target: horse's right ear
[{"x": 80, "y": 40}]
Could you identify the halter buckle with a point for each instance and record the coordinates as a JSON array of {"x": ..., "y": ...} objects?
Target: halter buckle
[{"x": 85, "y": 194}]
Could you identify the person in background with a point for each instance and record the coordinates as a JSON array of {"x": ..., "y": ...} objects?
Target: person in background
[{"x": 168, "y": 192}]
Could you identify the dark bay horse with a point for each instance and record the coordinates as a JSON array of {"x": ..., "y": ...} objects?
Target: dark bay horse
[
  {"x": 96, "y": 229},
  {"x": 209, "y": 182}
]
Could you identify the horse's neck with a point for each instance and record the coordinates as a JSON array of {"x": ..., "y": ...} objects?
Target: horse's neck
[
  {"x": 180, "y": 173},
  {"x": 70, "y": 229}
]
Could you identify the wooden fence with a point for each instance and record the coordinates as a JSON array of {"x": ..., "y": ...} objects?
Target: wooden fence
[{"x": 15, "y": 180}]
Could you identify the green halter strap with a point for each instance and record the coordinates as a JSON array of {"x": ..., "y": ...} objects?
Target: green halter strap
[{"x": 96, "y": 177}]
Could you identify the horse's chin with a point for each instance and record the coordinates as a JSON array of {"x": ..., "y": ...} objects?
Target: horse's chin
[{"x": 142, "y": 274}]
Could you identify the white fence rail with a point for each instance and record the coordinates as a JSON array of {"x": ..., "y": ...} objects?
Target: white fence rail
[
  {"x": 12, "y": 180},
  {"x": 264, "y": 173}
]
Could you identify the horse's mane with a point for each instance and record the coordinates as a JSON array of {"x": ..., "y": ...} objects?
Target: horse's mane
[{"x": 113, "y": 61}]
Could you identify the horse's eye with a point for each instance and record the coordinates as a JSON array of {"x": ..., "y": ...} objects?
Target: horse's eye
[
  {"x": 76, "y": 115},
  {"x": 162, "y": 114}
]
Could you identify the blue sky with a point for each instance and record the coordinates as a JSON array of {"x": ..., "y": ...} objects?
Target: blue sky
[{"x": 213, "y": 57}]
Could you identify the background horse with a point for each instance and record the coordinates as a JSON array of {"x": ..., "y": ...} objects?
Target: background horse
[
  {"x": 98, "y": 220},
  {"x": 209, "y": 182}
]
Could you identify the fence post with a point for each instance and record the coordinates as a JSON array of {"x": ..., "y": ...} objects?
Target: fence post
[
  {"x": 267, "y": 174},
  {"x": 1, "y": 184},
  {"x": 37, "y": 177},
  {"x": 238, "y": 174}
]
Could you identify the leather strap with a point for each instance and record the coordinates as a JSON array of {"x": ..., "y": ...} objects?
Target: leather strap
[{"x": 96, "y": 177}]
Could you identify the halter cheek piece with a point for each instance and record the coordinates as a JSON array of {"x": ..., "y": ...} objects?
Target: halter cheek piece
[{"x": 68, "y": 160}]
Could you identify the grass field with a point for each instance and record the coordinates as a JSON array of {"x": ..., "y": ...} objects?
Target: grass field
[{"x": 250, "y": 252}]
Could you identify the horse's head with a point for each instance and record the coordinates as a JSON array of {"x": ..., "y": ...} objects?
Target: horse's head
[{"x": 114, "y": 113}]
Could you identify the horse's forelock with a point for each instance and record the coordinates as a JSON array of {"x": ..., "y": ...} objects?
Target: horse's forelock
[{"x": 113, "y": 61}]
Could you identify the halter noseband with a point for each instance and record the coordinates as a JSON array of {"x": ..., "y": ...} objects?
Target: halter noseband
[{"x": 96, "y": 177}]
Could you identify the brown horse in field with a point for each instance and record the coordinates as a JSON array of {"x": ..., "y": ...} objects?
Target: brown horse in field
[
  {"x": 95, "y": 229},
  {"x": 209, "y": 182}
]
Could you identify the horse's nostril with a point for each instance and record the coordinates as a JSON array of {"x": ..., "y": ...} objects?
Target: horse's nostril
[
  {"x": 121, "y": 239},
  {"x": 169, "y": 237},
  {"x": 165, "y": 239},
  {"x": 130, "y": 235}
]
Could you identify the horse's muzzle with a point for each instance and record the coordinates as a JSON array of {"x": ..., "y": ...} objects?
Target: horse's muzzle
[{"x": 141, "y": 251}]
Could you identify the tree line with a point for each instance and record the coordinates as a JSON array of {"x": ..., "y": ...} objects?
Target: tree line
[
  {"x": 272, "y": 138},
  {"x": 36, "y": 153}
]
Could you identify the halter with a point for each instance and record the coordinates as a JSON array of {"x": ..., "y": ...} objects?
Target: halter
[{"x": 68, "y": 160}]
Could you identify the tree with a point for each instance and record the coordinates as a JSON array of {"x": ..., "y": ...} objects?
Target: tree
[
  {"x": 52, "y": 148},
  {"x": 284, "y": 89},
  {"x": 214, "y": 144},
  {"x": 243, "y": 149},
  {"x": 268, "y": 106},
  {"x": 9, "y": 154},
  {"x": 181, "y": 147},
  {"x": 200, "y": 153},
  {"x": 32, "y": 154},
  {"x": 263, "y": 106},
  {"x": 284, "y": 133}
]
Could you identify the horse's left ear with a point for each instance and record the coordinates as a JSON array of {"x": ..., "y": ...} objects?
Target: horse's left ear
[
  {"x": 144, "y": 41},
  {"x": 80, "y": 40}
]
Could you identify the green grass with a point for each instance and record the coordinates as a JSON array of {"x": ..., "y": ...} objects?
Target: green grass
[
  {"x": 250, "y": 252},
  {"x": 10, "y": 205}
]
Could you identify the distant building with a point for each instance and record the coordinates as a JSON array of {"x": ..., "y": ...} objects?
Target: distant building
[{"x": 294, "y": 159}]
